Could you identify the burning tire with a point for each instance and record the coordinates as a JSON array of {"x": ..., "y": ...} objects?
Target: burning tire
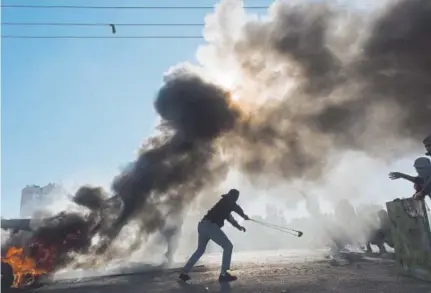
[{"x": 6, "y": 277}]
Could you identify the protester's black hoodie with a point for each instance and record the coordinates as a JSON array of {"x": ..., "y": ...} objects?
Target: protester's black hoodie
[{"x": 222, "y": 209}]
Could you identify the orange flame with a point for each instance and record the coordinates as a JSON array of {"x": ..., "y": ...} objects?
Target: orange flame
[{"x": 23, "y": 266}]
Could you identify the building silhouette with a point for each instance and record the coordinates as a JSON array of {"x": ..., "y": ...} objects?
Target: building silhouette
[{"x": 35, "y": 197}]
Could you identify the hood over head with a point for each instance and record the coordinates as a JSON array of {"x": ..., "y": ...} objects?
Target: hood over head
[
  {"x": 232, "y": 194},
  {"x": 423, "y": 167}
]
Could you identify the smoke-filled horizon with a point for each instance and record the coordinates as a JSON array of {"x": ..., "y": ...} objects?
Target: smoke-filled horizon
[
  {"x": 275, "y": 99},
  {"x": 324, "y": 80},
  {"x": 308, "y": 81}
]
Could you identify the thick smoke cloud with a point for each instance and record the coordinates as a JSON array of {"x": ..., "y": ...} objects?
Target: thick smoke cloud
[
  {"x": 363, "y": 88},
  {"x": 398, "y": 66},
  {"x": 373, "y": 99},
  {"x": 175, "y": 167},
  {"x": 311, "y": 81}
]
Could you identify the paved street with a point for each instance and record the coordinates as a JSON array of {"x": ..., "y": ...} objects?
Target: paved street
[{"x": 262, "y": 272}]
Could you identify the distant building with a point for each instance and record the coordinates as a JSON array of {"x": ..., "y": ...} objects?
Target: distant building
[{"x": 34, "y": 197}]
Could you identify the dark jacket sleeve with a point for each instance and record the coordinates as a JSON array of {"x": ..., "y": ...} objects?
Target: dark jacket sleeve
[
  {"x": 418, "y": 180},
  {"x": 233, "y": 222},
  {"x": 427, "y": 187},
  {"x": 237, "y": 209}
]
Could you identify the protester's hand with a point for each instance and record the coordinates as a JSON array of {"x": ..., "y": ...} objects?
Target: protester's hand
[
  {"x": 241, "y": 228},
  {"x": 394, "y": 175},
  {"x": 246, "y": 217}
]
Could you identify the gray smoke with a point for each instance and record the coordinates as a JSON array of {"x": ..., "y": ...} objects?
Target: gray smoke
[
  {"x": 313, "y": 80},
  {"x": 350, "y": 92},
  {"x": 177, "y": 165}
]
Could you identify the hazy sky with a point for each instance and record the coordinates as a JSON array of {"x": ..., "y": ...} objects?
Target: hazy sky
[{"x": 76, "y": 110}]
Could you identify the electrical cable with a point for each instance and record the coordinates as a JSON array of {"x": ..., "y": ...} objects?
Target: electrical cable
[
  {"x": 95, "y": 24},
  {"x": 117, "y": 7},
  {"x": 98, "y": 37}
]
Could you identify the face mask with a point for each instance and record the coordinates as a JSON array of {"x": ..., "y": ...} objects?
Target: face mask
[
  {"x": 424, "y": 171},
  {"x": 234, "y": 197}
]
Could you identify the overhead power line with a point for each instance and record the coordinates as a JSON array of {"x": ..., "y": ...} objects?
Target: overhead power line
[
  {"x": 99, "y": 37},
  {"x": 96, "y": 24},
  {"x": 117, "y": 7}
]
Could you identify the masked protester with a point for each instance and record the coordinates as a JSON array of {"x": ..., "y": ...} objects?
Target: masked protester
[
  {"x": 209, "y": 228},
  {"x": 426, "y": 188},
  {"x": 422, "y": 182}
]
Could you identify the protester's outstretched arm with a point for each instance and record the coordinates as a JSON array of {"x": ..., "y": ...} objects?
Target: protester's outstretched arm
[
  {"x": 234, "y": 223},
  {"x": 237, "y": 209},
  {"x": 398, "y": 175}
]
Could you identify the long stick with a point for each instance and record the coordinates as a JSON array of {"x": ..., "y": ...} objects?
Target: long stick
[
  {"x": 279, "y": 228},
  {"x": 273, "y": 225}
]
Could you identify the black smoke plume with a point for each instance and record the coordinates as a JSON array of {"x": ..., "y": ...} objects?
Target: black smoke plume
[
  {"x": 331, "y": 82},
  {"x": 350, "y": 92},
  {"x": 175, "y": 167}
]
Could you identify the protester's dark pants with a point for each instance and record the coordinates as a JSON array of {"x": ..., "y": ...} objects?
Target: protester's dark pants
[{"x": 209, "y": 231}]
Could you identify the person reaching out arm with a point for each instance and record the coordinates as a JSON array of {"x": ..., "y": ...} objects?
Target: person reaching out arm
[
  {"x": 422, "y": 181},
  {"x": 426, "y": 189},
  {"x": 234, "y": 223},
  {"x": 398, "y": 175},
  {"x": 237, "y": 209}
]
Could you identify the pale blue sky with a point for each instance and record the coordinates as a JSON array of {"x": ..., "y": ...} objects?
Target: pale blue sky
[
  {"x": 71, "y": 108},
  {"x": 74, "y": 105}
]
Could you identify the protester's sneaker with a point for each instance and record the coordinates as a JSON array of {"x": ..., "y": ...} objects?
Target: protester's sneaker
[
  {"x": 184, "y": 277},
  {"x": 226, "y": 277}
]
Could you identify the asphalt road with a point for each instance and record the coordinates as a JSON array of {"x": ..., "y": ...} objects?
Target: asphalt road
[{"x": 259, "y": 272}]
